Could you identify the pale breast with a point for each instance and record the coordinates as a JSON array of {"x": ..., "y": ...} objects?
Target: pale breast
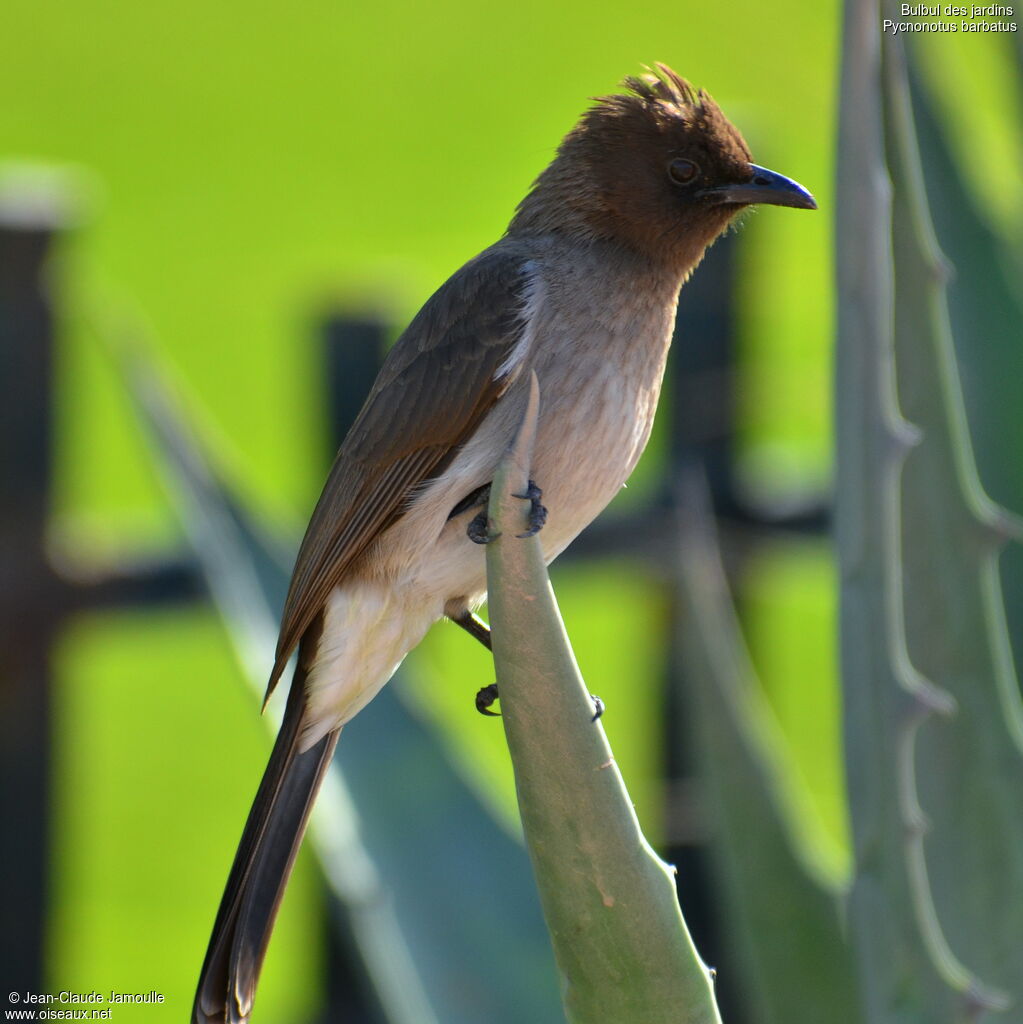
[
  {"x": 599, "y": 340},
  {"x": 599, "y": 392}
]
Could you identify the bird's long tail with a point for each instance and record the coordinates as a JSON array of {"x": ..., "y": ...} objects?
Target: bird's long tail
[{"x": 269, "y": 844}]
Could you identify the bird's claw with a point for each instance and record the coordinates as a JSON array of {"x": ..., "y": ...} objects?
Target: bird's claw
[
  {"x": 478, "y": 530},
  {"x": 537, "y": 512},
  {"x": 485, "y": 699},
  {"x": 486, "y": 696}
]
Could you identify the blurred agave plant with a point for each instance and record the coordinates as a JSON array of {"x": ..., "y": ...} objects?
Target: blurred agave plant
[{"x": 928, "y": 929}]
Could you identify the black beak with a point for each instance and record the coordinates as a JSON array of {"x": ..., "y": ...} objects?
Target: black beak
[{"x": 763, "y": 187}]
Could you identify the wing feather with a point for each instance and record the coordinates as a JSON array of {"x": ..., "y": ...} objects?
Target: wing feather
[{"x": 436, "y": 385}]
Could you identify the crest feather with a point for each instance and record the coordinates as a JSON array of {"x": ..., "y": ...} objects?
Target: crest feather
[
  {"x": 665, "y": 94},
  {"x": 661, "y": 83}
]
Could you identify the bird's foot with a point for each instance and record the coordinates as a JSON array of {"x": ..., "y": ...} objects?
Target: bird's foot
[
  {"x": 488, "y": 694},
  {"x": 537, "y": 512},
  {"x": 478, "y": 530},
  {"x": 485, "y": 699}
]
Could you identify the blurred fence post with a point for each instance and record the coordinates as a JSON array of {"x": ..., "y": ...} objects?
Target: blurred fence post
[
  {"x": 702, "y": 377},
  {"x": 353, "y": 349},
  {"x": 36, "y": 205},
  {"x": 30, "y": 596},
  {"x": 703, "y": 370}
]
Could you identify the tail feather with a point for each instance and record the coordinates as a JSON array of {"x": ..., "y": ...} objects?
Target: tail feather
[{"x": 262, "y": 865}]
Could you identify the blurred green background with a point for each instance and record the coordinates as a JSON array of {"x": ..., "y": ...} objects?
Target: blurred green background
[{"x": 243, "y": 171}]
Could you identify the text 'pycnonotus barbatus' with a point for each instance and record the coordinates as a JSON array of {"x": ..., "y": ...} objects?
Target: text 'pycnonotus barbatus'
[{"x": 582, "y": 290}]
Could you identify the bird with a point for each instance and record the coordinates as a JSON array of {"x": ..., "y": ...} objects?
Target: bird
[{"x": 581, "y": 291}]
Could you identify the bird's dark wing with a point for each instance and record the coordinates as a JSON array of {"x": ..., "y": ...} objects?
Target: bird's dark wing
[{"x": 436, "y": 385}]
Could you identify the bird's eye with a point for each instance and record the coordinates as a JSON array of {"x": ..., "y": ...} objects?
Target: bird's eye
[{"x": 682, "y": 171}]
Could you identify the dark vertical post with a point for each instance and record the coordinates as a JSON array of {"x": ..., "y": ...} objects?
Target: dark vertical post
[
  {"x": 30, "y": 599},
  {"x": 703, "y": 375},
  {"x": 353, "y": 352},
  {"x": 34, "y": 599},
  {"x": 701, "y": 387}
]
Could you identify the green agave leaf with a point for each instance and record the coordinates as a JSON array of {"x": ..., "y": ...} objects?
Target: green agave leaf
[
  {"x": 784, "y": 924},
  {"x": 985, "y": 306},
  {"x": 968, "y": 769},
  {"x": 922, "y": 618},
  {"x": 883, "y": 695},
  {"x": 624, "y": 951}
]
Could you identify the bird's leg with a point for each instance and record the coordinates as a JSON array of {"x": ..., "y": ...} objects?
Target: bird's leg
[
  {"x": 478, "y": 532},
  {"x": 474, "y": 499},
  {"x": 478, "y": 629},
  {"x": 485, "y": 697},
  {"x": 474, "y": 626},
  {"x": 537, "y": 512}
]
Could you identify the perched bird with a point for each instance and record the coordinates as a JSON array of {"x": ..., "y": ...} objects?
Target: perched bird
[{"x": 582, "y": 290}]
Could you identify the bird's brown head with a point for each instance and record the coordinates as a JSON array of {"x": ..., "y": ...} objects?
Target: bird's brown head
[{"x": 659, "y": 169}]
